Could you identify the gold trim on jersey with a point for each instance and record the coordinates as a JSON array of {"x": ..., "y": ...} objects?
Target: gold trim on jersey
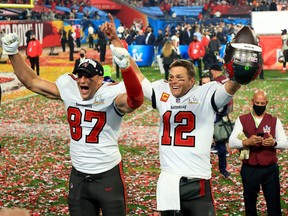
[{"x": 193, "y": 100}]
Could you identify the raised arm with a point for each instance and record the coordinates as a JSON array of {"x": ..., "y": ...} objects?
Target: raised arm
[
  {"x": 232, "y": 87},
  {"x": 109, "y": 30},
  {"x": 24, "y": 73},
  {"x": 131, "y": 74}
]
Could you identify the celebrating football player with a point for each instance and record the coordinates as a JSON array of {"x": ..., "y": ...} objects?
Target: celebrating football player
[
  {"x": 187, "y": 122},
  {"x": 94, "y": 110}
]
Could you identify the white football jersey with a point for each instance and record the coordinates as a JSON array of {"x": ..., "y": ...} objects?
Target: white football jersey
[
  {"x": 94, "y": 125},
  {"x": 186, "y": 129}
]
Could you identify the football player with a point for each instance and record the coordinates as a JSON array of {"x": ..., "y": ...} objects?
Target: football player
[
  {"x": 186, "y": 128},
  {"x": 94, "y": 110}
]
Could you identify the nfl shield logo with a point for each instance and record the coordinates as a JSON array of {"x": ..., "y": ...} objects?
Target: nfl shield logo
[{"x": 177, "y": 100}]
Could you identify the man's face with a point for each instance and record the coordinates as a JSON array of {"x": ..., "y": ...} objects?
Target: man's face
[
  {"x": 88, "y": 85},
  {"x": 82, "y": 53},
  {"x": 259, "y": 100},
  {"x": 179, "y": 81},
  {"x": 205, "y": 80}
]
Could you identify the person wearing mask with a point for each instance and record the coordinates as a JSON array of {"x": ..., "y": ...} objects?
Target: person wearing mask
[
  {"x": 34, "y": 51},
  {"x": 82, "y": 55},
  {"x": 196, "y": 51},
  {"x": 260, "y": 134}
]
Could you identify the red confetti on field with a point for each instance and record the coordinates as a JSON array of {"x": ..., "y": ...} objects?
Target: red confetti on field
[{"x": 35, "y": 161}]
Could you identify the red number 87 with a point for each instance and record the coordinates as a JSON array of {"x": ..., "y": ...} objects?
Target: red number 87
[{"x": 74, "y": 118}]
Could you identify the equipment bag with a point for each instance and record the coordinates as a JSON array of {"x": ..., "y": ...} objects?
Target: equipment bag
[{"x": 223, "y": 129}]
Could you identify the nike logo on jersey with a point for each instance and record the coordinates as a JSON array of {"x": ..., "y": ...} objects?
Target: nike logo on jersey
[{"x": 108, "y": 189}]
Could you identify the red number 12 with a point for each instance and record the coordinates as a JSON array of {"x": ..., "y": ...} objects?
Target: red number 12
[{"x": 188, "y": 127}]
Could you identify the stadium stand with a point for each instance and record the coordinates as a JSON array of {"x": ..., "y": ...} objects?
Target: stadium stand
[
  {"x": 192, "y": 11},
  {"x": 42, "y": 8},
  {"x": 4, "y": 13},
  {"x": 92, "y": 10},
  {"x": 232, "y": 10},
  {"x": 80, "y": 15},
  {"x": 180, "y": 11}
]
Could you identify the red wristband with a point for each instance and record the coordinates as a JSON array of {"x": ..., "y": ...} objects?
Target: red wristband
[{"x": 133, "y": 87}]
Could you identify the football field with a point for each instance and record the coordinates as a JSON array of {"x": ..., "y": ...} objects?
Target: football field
[{"x": 35, "y": 161}]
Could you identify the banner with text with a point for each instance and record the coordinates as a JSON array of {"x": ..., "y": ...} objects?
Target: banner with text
[{"x": 46, "y": 32}]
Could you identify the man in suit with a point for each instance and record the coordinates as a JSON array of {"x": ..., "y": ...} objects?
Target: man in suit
[
  {"x": 187, "y": 35},
  {"x": 63, "y": 38},
  {"x": 140, "y": 38},
  {"x": 150, "y": 37},
  {"x": 101, "y": 44}
]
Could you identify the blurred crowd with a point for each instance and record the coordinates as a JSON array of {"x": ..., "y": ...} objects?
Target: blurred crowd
[
  {"x": 263, "y": 5},
  {"x": 205, "y": 40},
  {"x": 77, "y": 6}
]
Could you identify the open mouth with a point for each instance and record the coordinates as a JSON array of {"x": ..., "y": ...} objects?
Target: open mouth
[
  {"x": 84, "y": 90},
  {"x": 84, "y": 87},
  {"x": 175, "y": 87}
]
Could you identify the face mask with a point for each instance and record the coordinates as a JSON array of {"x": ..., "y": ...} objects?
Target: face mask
[
  {"x": 259, "y": 110},
  {"x": 81, "y": 55}
]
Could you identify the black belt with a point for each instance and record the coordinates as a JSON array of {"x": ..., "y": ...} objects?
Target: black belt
[
  {"x": 259, "y": 166},
  {"x": 91, "y": 177},
  {"x": 189, "y": 178}
]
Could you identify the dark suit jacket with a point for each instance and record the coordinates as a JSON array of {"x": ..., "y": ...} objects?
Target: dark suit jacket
[
  {"x": 140, "y": 40},
  {"x": 186, "y": 38},
  {"x": 160, "y": 40},
  {"x": 151, "y": 40}
]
